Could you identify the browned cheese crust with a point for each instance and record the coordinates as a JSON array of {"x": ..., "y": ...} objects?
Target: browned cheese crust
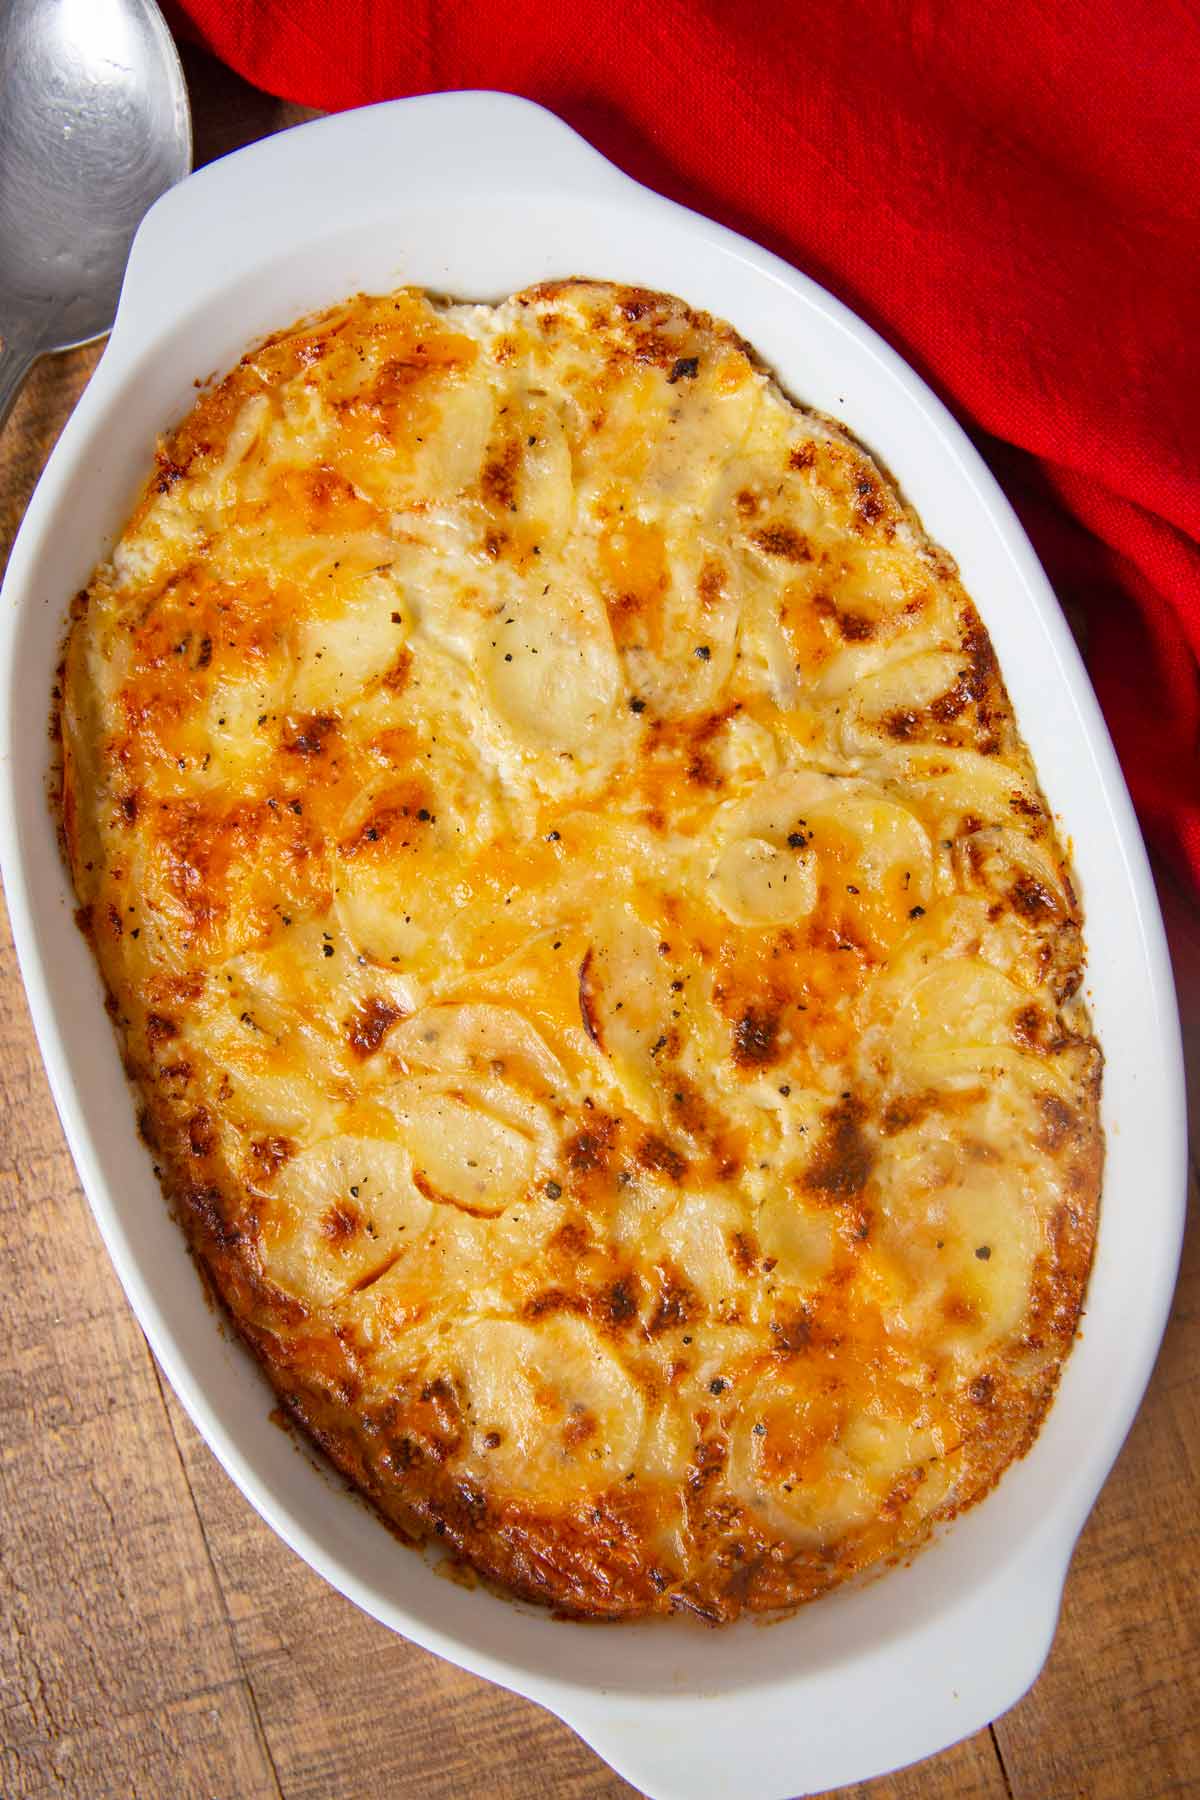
[{"x": 598, "y": 970}]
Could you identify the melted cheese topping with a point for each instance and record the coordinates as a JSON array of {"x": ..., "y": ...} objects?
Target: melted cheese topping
[{"x": 587, "y": 933}]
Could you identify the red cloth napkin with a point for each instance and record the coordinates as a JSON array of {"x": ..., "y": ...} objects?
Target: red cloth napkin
[{"x": 1010, "y": 193}]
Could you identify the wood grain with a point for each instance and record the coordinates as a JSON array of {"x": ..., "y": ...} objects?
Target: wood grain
[
  {"x": 117, "y": 1669},
  {"x": 156, "y": 1640},
  {"x": 314, "y": 1656}
]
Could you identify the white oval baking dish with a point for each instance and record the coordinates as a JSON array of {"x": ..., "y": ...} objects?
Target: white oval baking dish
[{"x": 476, "y": 195}]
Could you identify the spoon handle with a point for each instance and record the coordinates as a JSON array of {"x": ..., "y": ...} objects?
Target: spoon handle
[{"x": 16, "y": 359}]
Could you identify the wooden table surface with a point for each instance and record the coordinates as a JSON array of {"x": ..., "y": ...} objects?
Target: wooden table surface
[{"x": 157, "y": 1640}]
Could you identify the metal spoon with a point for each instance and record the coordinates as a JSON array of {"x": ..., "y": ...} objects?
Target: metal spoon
[{"x": 94, "y": 126}]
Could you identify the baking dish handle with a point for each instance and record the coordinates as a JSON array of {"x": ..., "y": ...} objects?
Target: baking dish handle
[
  {"x": 257, "y": 205},
  {"x": 858, "y": 1718}
]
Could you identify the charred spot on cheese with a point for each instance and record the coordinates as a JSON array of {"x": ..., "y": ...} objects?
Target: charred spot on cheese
[
  {"x": 976, "y": 678},
  {"x": 756, "y": 1038},
  {"x": 554, "y": 1300},
  {"x": 370, "y": 1023},
  {"x": 854, "y": 627},
  {"x": 270, "y": 1153},
  {"x": 160, "y": 1030},
  {"x": 392, "y": 823},
  {"x": 845, "y": 1156},
  {"x": 745, "y": 1251},
  {"x": 1033, "y": 899},
  {"x": 1061, "y": 1123},
  {"x": 601, "y": 979},
  {"x": 395, "y": 679},
  {"x": 618, "y": 1304},
  {"x": 684, "y": 368},
  {"x": 782, "y": 541},
  {"x": 653, "y": 1152},
  {"x": 792, "y": 1334},
  {"x": 341, "y": 1221},
  {"x": 587, "y": 1000},
  {"x": 498, "y": 481},
  {"x": 590, "y": 1150},
  {"x": 201, "y": 1132},
  {"x": 675, "y": 1305},
  {"x": 904, "y": 1111},
  {"x": 307, "y": 737},
  {"x": 871, "y": 503}
]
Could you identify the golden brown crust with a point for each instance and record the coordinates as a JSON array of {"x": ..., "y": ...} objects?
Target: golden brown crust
[{"x": 598, "y": 969}]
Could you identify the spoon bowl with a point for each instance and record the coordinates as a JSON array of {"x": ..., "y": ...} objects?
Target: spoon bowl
[{"x": 94, "y": 126}]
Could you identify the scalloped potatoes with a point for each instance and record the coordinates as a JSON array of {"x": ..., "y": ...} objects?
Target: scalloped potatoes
[{"x": 600, "y": 974}]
